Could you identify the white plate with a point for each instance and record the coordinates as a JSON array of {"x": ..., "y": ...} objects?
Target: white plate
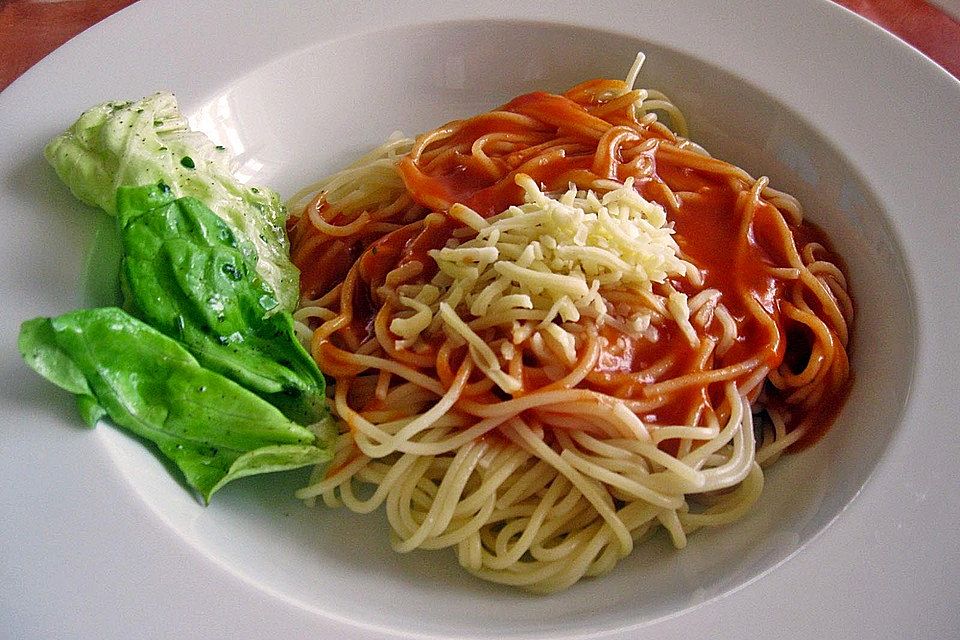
[{"x": 854, "y": 538}]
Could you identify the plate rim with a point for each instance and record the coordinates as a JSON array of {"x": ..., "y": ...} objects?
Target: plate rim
[{"x": 140, "y": 14}]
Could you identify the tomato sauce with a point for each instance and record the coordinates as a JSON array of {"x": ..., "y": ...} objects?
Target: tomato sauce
[{"x": 734, "y": 244}]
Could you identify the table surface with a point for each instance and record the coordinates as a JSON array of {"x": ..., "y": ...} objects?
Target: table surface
[{"x": 30, "y": 29}]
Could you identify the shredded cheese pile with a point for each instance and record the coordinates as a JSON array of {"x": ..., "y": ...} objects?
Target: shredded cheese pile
[{"x": 540, "y": 265}]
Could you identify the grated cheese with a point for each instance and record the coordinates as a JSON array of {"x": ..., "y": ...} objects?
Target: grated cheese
[{"x": 551, "y": 260}]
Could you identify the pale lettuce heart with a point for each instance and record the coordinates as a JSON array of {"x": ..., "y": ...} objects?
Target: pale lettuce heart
[{"x": 149, "y": 141}]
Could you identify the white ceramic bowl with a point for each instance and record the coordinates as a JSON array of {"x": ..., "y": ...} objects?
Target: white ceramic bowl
[{"x": 304, "y": 92}]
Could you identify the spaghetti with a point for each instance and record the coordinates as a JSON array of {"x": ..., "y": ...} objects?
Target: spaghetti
[{"x": 558, "y": 327}]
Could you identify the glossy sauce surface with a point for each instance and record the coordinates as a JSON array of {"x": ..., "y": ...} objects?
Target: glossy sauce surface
[
  {"x": 733, "y": 237},
  {"x": 708, "y": 229}
]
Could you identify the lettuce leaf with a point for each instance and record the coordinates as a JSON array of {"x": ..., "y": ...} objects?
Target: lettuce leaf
[
  {"x": 186, "y": 273},
  {"x": 213, "y": 429},
  {"x": 148, "y": 141}
]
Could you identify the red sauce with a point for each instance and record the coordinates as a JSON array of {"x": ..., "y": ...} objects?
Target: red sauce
[
  {"x": 477, "y": 190},
  {"x": 733, "y": 253},
  {"x": 708, "y": 230}
]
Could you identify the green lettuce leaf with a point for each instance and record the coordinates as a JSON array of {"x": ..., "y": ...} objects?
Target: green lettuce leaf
[
  {"x": 148, "y": 141},
  {"x": 213, "y": 429},
  {"x": 186, "y": 273}
]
